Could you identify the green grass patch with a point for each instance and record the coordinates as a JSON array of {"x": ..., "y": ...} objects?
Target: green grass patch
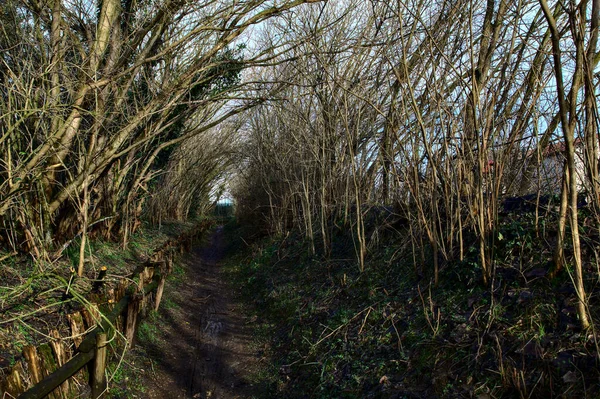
[{"x": 148, "y": 330}]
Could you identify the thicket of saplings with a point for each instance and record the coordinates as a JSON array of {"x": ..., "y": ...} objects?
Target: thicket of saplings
[
  {"x": 474, "y": 125},
  {"x": 393, "y": 113}
]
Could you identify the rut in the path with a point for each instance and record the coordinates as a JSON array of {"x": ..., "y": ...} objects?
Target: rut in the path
[{"x": 203, "y": 349}]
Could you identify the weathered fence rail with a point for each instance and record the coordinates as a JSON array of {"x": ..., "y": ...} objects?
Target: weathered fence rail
[
  {"x": 88, "y": 350},
  {"x": 122, "y": 308}
]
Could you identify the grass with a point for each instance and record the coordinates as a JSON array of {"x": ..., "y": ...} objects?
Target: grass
[
  {"x": 178, "y": 274},
  {"x": 168, "y": 303},
  {"x": 148, "y": 329},
  {"x": 33, "y": 297},
  {"x": 127, "y": 382}
]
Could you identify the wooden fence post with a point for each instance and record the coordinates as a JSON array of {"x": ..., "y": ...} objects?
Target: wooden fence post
[
  {"x": 14, "y": 384},
  {"x": 170, "y": 263},
  {"x": 62, "y": 356},
  {"x": 77, "y": 327},
  {"x": 91, "y": 315},
  {"x": 33, "y": 363},
  {"x": 131, "y": 320},
  {"x": 98, "y": 375},
  {"x": 48, "y": 365},
  {"x": 159, "y": 292}
]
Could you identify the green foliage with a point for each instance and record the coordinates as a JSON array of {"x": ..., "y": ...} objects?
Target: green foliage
[
  {"x": 338, "y": 343},
  {"x": 125, "y": 381},
  {"x": 148, "y": 329},
  {"x": 335, "y": 332}
]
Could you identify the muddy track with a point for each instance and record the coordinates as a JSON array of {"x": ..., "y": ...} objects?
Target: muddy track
[{"x": 202, "y": 347}]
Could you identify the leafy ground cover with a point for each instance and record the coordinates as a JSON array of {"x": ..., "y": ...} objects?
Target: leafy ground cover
[{"x": 333, "y": 332}]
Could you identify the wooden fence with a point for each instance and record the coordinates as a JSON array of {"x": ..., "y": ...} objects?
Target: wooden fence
[{"x": 48, "y": 371}]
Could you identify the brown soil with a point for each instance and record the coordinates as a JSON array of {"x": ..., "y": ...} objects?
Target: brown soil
[{"x": 203, "y": 347}]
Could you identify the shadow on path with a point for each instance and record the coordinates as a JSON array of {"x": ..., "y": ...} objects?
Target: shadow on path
[{"x": 202, "y": 344}]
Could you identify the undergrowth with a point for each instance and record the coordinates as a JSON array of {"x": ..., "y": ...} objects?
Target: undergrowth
[{"x": 334, "y": 332}]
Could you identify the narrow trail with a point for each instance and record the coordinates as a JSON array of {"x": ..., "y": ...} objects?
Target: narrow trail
[{"x": 202, "y": 347}]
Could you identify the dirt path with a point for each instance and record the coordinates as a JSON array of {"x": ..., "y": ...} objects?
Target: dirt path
[{"x": 202, "y": 343}]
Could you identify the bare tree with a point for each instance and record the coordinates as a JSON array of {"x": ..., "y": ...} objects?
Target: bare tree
[
  {"x": 95, "y": 95},
  {"x": 568, "y": 112},
  {"x": 462, "y": 113}
]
